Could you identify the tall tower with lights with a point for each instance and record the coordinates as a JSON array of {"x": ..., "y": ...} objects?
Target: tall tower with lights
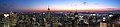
[{"x": 47, "y": 19}]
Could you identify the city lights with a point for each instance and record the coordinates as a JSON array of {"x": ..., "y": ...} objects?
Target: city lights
[
  {"x": 6, "y": 15},
  {"x": 59, "y": 13},
  {"x": 104, "y": 18},
  {"x": 110, "y": 15}
]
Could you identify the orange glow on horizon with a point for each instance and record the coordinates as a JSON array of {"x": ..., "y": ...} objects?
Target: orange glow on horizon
[
  {"x": 37, "y": 9},
  {"x": 79, "y": 7},
  {"x": 72, "y": 8}
]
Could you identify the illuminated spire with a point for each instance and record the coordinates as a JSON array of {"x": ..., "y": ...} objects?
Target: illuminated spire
[
  {"x": 11, "y": 12},
  {"x": 48, "y": 8}
]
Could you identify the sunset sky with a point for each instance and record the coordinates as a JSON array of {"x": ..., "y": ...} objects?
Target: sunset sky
[{"x": 38, "y": 5}]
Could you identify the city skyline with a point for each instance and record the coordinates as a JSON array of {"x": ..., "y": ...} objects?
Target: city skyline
[
  {"x": 40, "y": 5},
  {"x": 59, "y": 13}
]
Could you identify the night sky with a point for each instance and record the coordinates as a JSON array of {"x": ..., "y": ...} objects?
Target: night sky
[{"x": 38, "y": 5}]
